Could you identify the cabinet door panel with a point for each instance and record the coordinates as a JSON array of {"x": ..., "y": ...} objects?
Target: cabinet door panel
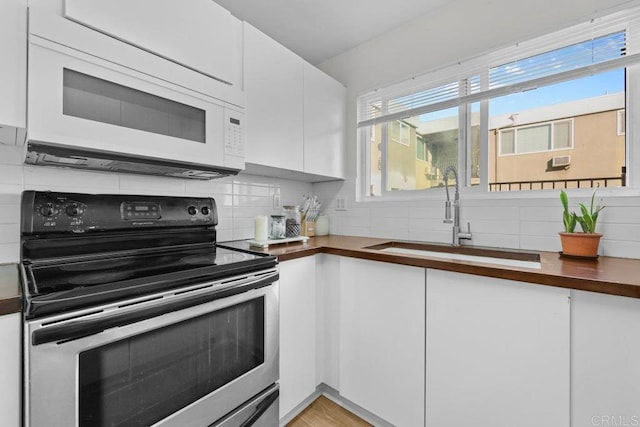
[
  {"x": 13, "y": 42},
  {"x": 274, "y": 87},
  {"x": 382, "y": 339},
  {"x": 497, "y": 352},
  {"x": 297, "y": 332},
  {"x": 197, "y": 33},
  {"x": 324, "y": 123},
  {"x": 605, "y": 344},
  {"x": 10, "y": 369}
]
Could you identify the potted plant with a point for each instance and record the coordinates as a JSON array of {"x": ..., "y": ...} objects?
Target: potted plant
[{"x": 584, "y": 244}]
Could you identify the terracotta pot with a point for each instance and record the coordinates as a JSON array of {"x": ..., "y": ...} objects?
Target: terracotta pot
[{"x": 580, "y": 244}]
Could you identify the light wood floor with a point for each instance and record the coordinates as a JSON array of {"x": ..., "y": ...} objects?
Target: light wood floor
[{"x": 324, "y": 413}]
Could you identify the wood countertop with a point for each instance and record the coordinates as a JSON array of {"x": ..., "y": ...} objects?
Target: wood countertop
[
  {"x": 615, "y": 276},
  {"x": 10, "y": 290}
]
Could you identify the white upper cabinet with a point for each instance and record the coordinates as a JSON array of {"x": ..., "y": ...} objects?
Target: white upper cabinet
[
  {"x": 295, "y": 113},
  {"x": 497, "y": 352},
  {"x": 324, "y": 124},
  {"x": 273, "y": 82},
  {"x": 13, "y": 72},
  {"x": 198, "y": 34}
]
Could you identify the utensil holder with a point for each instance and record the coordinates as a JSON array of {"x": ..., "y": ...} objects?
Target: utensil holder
[{"x": 308, "y": 228}]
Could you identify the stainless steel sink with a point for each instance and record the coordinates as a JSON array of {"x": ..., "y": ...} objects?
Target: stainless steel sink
[{"x": 481, "y": 255}]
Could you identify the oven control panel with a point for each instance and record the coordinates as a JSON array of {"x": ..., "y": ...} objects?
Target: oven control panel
[{"x": 49, "y": 212}]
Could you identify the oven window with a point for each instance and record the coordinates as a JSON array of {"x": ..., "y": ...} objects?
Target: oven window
[
  {"x": 99, "y": 100},
  {"x": 145, "y": 378}
]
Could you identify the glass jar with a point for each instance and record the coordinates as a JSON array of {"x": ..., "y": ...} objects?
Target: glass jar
[
  {"x": 277, "y": 227},
  {"x": 292, "y": 220}
]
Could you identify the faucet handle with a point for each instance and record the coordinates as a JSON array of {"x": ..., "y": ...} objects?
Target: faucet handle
[{"x": 469, "y": 227}]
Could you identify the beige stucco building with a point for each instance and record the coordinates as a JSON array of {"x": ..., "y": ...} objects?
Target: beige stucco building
[{"x": 568, "y": 144}]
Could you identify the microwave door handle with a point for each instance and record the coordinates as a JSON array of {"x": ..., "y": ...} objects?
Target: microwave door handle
[{"x": 261, "y": 408}]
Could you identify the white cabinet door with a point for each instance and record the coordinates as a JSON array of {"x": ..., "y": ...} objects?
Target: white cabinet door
[
  {"x": 199, "y": 34},
  {"x": 605, "y": 349},
  {"x": 273, "y": 84},
  {"x": 13, "y": 72},
  {"x": 497, "y": 352},
  {"x": 324, "y": 124},
  {"x": 297, "y": 332},
  {"x": 10, "y": 369},
  {"x": 382, "y": 334},
  {"x": 328, "y": 320}
]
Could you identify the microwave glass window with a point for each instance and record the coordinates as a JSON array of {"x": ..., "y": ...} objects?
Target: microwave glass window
[
  {"x": 99, "y": 100},
  {"x": 126, "y": 382}
]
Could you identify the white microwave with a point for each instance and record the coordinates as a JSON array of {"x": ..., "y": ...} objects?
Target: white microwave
[{"x": 97, "y": 103}]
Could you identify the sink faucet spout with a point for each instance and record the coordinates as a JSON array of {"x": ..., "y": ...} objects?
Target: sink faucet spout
[{"x": 457, "y": 235}]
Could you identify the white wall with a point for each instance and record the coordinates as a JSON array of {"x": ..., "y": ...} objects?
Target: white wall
[
  {"x": 461, "y": 30},
  {"x": 239, "y": 199}
]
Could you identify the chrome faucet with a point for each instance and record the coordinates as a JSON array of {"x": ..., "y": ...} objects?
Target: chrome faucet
[{"x": 457, "y": 235}]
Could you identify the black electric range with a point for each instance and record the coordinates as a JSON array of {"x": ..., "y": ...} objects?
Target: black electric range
[{"x": 81, "y": 250}]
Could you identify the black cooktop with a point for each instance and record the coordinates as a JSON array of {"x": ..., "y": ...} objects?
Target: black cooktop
[
  {"x": 82, "y": 250},
  {"x": 63, "y": 275}
]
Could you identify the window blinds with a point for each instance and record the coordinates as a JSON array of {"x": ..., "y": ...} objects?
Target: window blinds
[{"x": 587, "y": 49}]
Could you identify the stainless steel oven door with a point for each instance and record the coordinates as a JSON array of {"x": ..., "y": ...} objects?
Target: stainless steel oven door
[{"x": 182, "y": 358}]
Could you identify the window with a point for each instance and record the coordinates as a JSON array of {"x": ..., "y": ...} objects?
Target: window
[
  {"x": 536, "y": 138},
  {"x": 502, "y": 117},
  {"x": 400, "y": 132},
  {"x": 621, "y": 121},
  {"x": 421, "y": 148}
]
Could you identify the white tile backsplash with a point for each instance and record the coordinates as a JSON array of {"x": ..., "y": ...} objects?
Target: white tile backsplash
[
  {"x": 11, "y": 174},
  {"x": 9, "y": 252},
  {"x": 44, "y": 178},
  {"x": 151, "y": 185},
  {"x": 239, "y": 199},
  {"x": 521, "y": 222},
  {"x": 525, "y": 223}
]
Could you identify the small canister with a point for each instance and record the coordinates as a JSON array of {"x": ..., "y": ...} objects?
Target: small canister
[
  {"x": 322, "y": 225},
  {"x": 292, "y": 221},
  {"x": 277, "y": 227}
]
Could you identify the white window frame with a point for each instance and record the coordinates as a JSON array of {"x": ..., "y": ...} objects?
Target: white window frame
[
  {"x": 551, "y": 123},
  {"x": 479, "y": 65}
]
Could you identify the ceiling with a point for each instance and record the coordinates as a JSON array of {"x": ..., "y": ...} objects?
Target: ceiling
[{"x": 319, "y": 30}]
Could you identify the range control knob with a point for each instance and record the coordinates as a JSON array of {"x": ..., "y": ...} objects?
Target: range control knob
[
  {"x": 192, "y": 210},
  {"x": 74, "y": 210},
  {"x": 205, "y": 210},
  {"x": 48, "y": 210}
]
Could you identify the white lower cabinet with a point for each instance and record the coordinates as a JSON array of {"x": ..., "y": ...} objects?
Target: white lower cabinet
[
  {"x": 605, "y": 355},
  {"x": 497, "y": 352},
  {"x": 297, "y": 332},
  {"x": 328, "y": 320},
  {"x": 382, "y": 334},
  {"x": 462, "y": 350},
  {"x": 10, "y": 373}
]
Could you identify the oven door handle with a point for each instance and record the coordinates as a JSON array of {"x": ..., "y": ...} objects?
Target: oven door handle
[
  {"x": 253, "y": 411},
  {"x": 261, "y": 409},
  {"x": 82, "y": 328}
]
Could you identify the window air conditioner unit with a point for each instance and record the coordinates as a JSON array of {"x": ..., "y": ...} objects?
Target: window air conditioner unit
[{"x": 560, "y": 161}]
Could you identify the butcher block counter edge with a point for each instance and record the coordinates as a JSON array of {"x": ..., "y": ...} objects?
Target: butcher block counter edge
[
  {"x": 607, "y": 275},
  {"x": 10, "y": 292}
]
